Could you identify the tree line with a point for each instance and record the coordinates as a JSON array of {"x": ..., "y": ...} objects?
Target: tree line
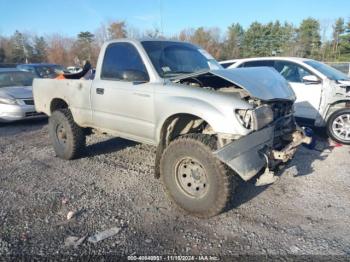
[{"x": 309, "y": 39}]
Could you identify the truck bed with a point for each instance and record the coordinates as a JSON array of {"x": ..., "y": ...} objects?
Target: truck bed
[{"x": 76, "y": 94}]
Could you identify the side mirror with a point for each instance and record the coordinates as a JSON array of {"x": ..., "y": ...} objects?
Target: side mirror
[
  {"x": 311, "y": 79},
  {"x": 135, "y": 76}
]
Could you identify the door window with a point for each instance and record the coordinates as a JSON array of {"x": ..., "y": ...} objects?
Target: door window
[
  {"x": 226, "y": 65},
  {"x": 119, "y": 59},
  {"x": 290, "y": 71},
  {"x": 258, "y": 63}
]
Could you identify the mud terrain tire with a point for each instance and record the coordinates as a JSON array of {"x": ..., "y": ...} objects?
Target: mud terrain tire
[
  {"x": 194, "y": 179},
  {"x": 68, "y": 139}
]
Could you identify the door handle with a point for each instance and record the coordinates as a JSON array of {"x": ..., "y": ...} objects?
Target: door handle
[{"x": 100, "y": 91}]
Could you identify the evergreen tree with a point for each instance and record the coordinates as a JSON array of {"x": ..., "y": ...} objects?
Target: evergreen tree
[
  {"x": 233, "y": 42},
  {"x": 39, "y": 50},
  {"x": 344, "y": 44},
  {"x": 18, "y": 49},
  {"x": 338, "y": 29},
  {"x": 309, "y": 38},
  {"x": 83, "y": 45},
  {"x": 257, "y": 40}
]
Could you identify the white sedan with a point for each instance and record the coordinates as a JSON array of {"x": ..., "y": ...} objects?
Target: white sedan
[{"x": 323, "y": 93}]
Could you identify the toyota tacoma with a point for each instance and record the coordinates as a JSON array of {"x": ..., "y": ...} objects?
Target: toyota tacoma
[{"x": 210, "y": 125}]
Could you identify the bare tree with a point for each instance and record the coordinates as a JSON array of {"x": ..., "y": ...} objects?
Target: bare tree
[
  {"x": 60, "y": 50},
  {"x": 208, "y": 39},
  {"x": 186, "y": 34},
  {"x": 325, "y": 27},
  {"x": 101, "y": 34},
  {"x": 117, "y": 29}
]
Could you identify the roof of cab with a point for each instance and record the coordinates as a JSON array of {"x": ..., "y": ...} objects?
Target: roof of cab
[
  {"x": 286, "y": 58},
  {"x": 147, "y": 39}
]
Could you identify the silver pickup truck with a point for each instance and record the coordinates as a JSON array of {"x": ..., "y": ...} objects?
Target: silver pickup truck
[{"x": 209, "y": 124}]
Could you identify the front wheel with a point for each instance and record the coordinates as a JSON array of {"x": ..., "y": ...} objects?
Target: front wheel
[
  {"x": 338, "y": 126},
  {"x": 68, "y": 139},
  {"x": 194, "y": 178}
]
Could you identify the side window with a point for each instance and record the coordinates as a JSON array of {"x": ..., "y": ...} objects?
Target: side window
[
  {"x": 119, "y": 59},
  {"x": 258, "y": 63},
  {"x": 290, "y": 71},
  {"x": 226, "y": 65}
]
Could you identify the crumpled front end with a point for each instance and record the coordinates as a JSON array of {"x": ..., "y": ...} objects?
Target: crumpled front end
[
  {"x": 265, "y": 113},
  {"x": 265, "y": 148}
]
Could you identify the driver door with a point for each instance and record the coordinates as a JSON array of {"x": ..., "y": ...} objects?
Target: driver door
[
  {"x": 119, "y": 103},
  {"x": 308, "y": 95}
]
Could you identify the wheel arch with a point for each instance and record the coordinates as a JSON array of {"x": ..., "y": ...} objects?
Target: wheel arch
[
  {"x": 176, "y": 125},
  {"x": 338, "y": 105},
  {"x": 58, "y": 103},
  {"x": 181, "y": 124}
]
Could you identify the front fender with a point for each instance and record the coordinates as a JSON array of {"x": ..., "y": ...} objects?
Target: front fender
[{"x": 220, "y": 117}]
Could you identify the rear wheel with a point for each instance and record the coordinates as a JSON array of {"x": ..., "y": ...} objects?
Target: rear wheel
[
  {"x": 194, "y": 178},
  {"x": 68, "y": 139},
  {"x": 338, "y": 126}
]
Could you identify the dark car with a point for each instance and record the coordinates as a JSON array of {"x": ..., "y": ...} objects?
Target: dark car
[{"x": 43, "y": 70}]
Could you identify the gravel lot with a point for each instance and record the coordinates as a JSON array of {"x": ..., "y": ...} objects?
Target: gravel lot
[{"x": 306, "y": 212}]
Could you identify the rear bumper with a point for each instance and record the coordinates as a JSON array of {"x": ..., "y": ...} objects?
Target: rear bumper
[
  {"x": 9, "y": 113},
  {"x": 250, "y": 154}
]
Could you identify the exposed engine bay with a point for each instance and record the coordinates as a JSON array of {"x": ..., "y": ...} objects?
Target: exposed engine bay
[
  {"x": 213, "y": 82},
  {"x": 277, "y": 111},
  {"x": 279, "y": 108}
]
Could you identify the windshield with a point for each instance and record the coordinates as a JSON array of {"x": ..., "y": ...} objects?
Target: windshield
[
  {"x": 327, "y": 70},
  {"x": 49, "y": 71},
  {"x": 174, "y": 58},
  {"x": 16, "y": 79}
]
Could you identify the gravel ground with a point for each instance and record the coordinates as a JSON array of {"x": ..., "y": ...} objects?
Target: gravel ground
[{"x": 306, "y": 212}]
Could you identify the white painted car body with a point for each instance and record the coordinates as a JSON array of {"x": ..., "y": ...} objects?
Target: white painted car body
[{"x": 315, "y": 100}]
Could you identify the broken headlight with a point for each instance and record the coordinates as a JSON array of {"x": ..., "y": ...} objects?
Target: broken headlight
[{"x": 257, "y": 118}]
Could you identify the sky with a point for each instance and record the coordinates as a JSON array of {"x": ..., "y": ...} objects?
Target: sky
[{"x": 44, "y": 17}]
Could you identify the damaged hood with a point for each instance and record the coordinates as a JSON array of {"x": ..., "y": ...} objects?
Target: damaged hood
[{"x": 264, "y": 83}]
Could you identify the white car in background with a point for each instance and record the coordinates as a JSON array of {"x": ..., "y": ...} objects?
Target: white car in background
[{"x": 323, "y": 93}]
